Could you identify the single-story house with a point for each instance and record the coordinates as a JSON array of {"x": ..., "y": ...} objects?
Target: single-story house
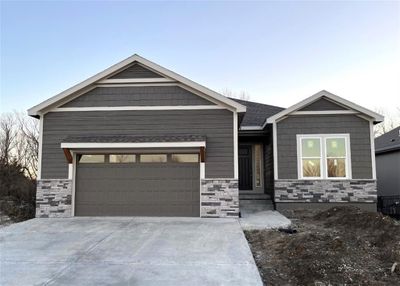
[
  {"x": 387, "y": 150},
  {"x": 140, "y": 140}
]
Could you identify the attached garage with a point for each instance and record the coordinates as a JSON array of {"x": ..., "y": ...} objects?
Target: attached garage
[{"x": 137, "y": 185}]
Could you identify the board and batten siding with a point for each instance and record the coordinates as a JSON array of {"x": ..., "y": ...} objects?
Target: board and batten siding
[
  {"x": 216, "y": 125},
  {"x": 357, "y": 127},
  {"x": 137, "y": 96}
]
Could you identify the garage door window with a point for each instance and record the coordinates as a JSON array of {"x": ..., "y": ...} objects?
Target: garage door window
[
  {"x": 92, "y": 159},
  {"x": 153, "y": 158},
  {"x": 185, "y": 158},
  {"x": 123, "y": 158}
]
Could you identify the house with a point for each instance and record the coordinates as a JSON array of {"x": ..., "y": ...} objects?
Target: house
[
  {"x": 139, "y": 139},
  {"x": 387, "y": 150}
]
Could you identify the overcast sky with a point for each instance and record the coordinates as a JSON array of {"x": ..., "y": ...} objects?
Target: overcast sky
[{"x": 278, "y": 52}]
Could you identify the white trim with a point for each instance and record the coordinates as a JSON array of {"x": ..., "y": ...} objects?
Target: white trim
[
  {"x": 134, "y": 145},
  {"x": 39, "y": 174},
  {"x": 251, "y": 127},
  {"x": 136, "y": 84},
  {"x": 119, "y": 66},
  {"x": 121, "y": 108},
  {"x": 235, "y": 146},
  {"x": 375, "y": 116},
  {"x": 135, "y": 80},
  {"x": 202, "y": 171},
  {"x": 323, "y": 156},
  {"x": 372, "y": 139},
  {"x": 324, "y": 112},
  {"x": 73, "y": 184},
  {"x": 70, "y": 171},
  {"x": 275, "y": 150}
]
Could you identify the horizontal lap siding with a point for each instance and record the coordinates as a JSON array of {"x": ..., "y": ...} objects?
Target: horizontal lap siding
[
  {"x": 216, "y": 125},
  {"x": 357, "y": 127},
  {"x": 137, "y": 96},
  {"x": 322, "y": 104},
  {"x": 136, "y": 71}
]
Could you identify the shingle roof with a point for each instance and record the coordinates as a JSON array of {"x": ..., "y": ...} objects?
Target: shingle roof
[
  {"x": 389, "y": 141},
  {"x": 132, "y": 139},
  {"x": 257, "y": 113}
]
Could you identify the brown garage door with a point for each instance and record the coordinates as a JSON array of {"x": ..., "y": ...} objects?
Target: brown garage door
[{"x": 137, "y": 187}]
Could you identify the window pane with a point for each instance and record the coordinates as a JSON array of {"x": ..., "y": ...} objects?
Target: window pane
[
  {"x": 257, "y": 157},
  {"x": 185, "y": 158},
  {"x": 122, "y": 158},
  {"x": 336, "y": 147},
  {"x": 153, "y": 158},
  {"x": 91, "y": 159},
  {"x": 311, "y": 168},
  {"x": 310, "y": 147},
  {"x": 336, "y": 167}
]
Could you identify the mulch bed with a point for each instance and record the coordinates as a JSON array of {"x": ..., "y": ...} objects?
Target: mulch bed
[{"x": 339, "y": 246}]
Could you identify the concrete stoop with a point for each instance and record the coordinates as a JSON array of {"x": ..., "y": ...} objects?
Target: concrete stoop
[{"x": 257, "y": 212}]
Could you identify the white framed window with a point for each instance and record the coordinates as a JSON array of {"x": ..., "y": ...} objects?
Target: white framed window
[{"x": 323, "y": 156}]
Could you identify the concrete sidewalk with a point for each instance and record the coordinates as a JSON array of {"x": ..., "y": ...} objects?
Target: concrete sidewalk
[
  {"x": 264, "y": 219},
  {"x": 126, "y": 251}
]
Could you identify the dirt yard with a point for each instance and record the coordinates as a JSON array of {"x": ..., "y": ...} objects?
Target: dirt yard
[{"x": 339, "y": 246}]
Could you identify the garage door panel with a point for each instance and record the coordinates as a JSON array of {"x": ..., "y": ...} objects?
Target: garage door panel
[{"x": 146, "y": 189}]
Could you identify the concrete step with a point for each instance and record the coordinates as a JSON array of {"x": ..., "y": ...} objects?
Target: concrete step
[
  {"x": 253, "y": 196},
  {"x": 255, "y": 202}
]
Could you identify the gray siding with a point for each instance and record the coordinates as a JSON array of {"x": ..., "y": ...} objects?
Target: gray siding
[
  {"x": 357, "y": 127},
  {"x": 136, "y": 71},
  {"x": 216, "y": 125},
  {"x": 137, "y": 96},
  {"x": 388, "y": 173},
  {"x": 322, "y": 104}
]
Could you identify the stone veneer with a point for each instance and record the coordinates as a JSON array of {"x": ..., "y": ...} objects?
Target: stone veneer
[
  {"x": 53, "y": 198},
  {"x": 219, "y": 198},
  {"x": 325, "y": 191}
]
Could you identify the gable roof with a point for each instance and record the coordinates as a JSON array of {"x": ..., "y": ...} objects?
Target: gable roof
[
  {"x": 330, "y": 96},
  {"x": 256, "y": 113},
  {"x": 36, "y": 110},
  {"x": 390, "y": 141}
]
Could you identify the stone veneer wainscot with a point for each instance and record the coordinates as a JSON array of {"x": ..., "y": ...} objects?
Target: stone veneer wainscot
[
  {"x": 324, "y": 191},
  {"x": 53, "y": 198},
  {"x": 219, "y": 198}
]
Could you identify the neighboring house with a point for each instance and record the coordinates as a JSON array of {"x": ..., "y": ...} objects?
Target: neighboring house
[
  {"x": 139, "y": 139},
  {"x": 387, "y": 150}
]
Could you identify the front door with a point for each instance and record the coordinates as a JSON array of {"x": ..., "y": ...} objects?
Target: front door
[{"x": 245, "y": 168}]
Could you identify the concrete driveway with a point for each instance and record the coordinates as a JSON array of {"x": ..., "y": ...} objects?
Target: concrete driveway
[{"x": 126, "y": 251}]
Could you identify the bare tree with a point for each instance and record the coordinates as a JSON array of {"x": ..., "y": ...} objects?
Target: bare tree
[
  {"x": 391, "y": 121},
  {"x": 7, "y": 136},
  {"x": 243, "y": 95},
  {"x": 19, "y": 141}
]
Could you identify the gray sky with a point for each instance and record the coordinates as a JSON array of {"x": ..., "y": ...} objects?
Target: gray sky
[{"x": 278, "y": 52}]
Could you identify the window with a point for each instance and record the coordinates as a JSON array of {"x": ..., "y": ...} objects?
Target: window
[
  {"x": 324, "y": 156},
  {"x": 258, "y": 161},
  {"x": 153, "y": 158},
  {"x": 123, "y": 158},
  {"x": 91, "y": 159},
  {"x": 185, "y": 158},
  {"x": 311, "y": 157},
  {"x": 336, "y": 157}
]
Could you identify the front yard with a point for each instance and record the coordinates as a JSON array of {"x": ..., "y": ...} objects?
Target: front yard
[{"x": 339, "y": 246}]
